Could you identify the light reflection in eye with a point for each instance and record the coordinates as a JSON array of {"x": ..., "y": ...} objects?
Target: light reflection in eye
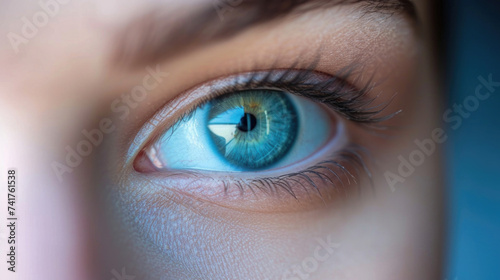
[{"x": 246, "y": 131}]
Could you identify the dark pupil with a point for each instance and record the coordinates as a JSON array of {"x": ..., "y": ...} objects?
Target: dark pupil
[{"x": 247, "y": 122}]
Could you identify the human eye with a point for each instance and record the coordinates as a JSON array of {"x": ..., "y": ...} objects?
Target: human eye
[{"x": 276, "y": 132}]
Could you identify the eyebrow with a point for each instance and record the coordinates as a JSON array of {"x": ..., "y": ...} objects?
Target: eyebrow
[{"x": 159, "y": 34}]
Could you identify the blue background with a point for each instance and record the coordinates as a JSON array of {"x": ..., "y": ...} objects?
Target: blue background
[{"x": 472, "y": 40}]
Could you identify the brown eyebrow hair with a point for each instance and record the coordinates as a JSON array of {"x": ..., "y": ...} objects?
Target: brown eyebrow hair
[{"x": 158, "y": 34}]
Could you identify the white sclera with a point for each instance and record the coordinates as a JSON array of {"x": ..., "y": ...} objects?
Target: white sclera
[{"x": 188, "y": 144}]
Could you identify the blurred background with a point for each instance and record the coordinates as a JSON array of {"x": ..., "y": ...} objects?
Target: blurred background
[{"x": 472, "y": 38}]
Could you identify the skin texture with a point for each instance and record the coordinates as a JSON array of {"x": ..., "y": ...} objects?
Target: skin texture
[{"x": 105, "y": 216}]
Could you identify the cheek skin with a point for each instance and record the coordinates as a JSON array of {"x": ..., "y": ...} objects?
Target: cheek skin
[{"x": 179, "y": 234}]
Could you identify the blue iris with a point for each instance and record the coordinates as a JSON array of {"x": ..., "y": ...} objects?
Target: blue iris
[{"x": 253, "y": 129}]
